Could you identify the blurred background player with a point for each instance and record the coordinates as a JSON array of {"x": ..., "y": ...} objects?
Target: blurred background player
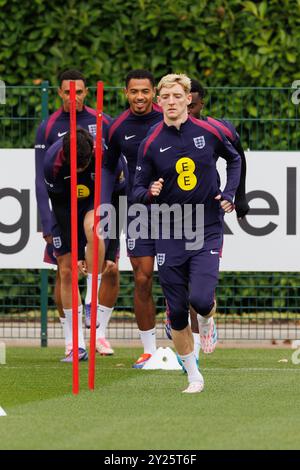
[
  {"x": 57, "y": 179},
  {"x": 125, "y": 135},
  {"x": 50, "y": 130},
  {"x": 179, "y": 156}
]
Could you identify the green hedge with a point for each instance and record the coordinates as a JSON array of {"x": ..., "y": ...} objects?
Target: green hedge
[
  {"x": 223, "y": 44},
  {"x": 233, "y": 42}
]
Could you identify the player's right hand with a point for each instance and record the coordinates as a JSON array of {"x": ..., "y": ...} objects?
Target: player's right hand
[{"x": 156, "y": 187}]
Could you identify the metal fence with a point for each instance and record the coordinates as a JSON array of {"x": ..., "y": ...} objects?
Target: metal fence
[
  {"x": 258, "y": 306},
  {"x": 250, "y": 305},
  {"x": 266, "y": 118}
]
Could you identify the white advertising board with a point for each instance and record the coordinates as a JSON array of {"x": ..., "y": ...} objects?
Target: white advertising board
[{"x": 267, "y": 240}]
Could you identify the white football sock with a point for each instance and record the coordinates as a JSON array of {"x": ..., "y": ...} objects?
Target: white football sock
[
  {"x": 64, "y": 328},
  {"x": 88, "y": 295},
  {"x": 197, "y": 344},
  {"x": 190, "y": 365},
  {"x": 68, "y": 325},
  {"x": 103, "y": 315},
  {"x": 148, "y": 339},
  {"x": 63, "y": 323},
  {"x": 81, "y": 342},
  {"x": 204, "y": 323}
]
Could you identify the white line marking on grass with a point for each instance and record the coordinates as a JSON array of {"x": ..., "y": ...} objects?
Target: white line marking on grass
[
  {"x": 2, "y": 412},
  {"x": 249, "y": 369},
  {"x": 206, "y": 369}
]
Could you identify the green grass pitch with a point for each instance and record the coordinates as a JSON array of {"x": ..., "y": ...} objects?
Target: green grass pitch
[{"x": 250, "y": 401}]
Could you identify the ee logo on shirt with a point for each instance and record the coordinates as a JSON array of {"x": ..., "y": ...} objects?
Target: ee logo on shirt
[
  {"x": 82, "y": 191},
  {"x": 186, "y": 180}
]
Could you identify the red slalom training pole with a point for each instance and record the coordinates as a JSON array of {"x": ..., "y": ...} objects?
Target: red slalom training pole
[
  {"x": 98, "y": 172},
  {"x": 74, "y": 236}
]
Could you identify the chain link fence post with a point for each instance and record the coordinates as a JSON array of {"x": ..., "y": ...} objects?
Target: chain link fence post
[{"x": 44, "y": 272}]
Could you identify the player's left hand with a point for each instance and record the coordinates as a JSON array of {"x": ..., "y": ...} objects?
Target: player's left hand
[
  {"x": 227, "y": 206},
  {"x": 82, "y": 267}
]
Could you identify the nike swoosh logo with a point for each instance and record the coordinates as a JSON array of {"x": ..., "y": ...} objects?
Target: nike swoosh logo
[
  {"x": 67, "y": 177},
  {"x": 214, "y": 252},
  {"x": 60, "y": 134},
  {"x": 49, "y": 184},
  {"x": 127, "y": 137},
  {"x": 163, "y": 150}
]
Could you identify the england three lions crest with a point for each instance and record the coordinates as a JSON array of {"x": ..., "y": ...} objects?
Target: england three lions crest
[
  {"x": 199, "y": 142},
  {"x": 92, "y": 129},
  {"x": 161, "y": 258},
  {"x": 57, "y": 243},
  {"x": 130, "y": 243}
]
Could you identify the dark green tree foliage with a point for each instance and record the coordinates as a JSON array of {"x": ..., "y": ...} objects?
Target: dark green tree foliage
[
  {"x": 253, "y": 43},
  {"x": 224, "y": 44}
]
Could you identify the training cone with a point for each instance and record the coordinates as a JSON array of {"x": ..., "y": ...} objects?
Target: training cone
[{"x": 163, "y": 358}]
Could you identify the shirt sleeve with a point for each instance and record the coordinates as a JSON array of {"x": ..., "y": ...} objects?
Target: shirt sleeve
[
  {"x": 40, "y": 186},
  {"x": 111, "y": 156},
  {"x": 241, "y": 205},
  {"x": 226, "y": 150},
  {"x": 53, "y": 180},
  {"x": 112, "y": 151},
  {"x": 144, "y": 175}
]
